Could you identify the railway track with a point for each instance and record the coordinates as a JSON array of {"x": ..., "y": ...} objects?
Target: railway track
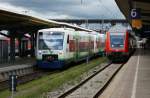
[
  {"x": 25, "y": 78},
  {"x": 81, "y": 84}
]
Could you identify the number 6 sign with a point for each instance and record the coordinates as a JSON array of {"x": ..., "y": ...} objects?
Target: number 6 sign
[{"x": 135, "y": 14}]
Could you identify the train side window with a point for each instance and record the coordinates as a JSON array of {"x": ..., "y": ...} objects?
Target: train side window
[
  {"x": 67, "y": 39},
  {"x": 40, "y": 33}
]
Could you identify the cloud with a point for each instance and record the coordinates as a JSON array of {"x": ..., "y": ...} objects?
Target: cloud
[{"x": 67, "y": 9}]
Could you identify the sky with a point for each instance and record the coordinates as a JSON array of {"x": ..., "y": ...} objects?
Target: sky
[{"x": 65, "y": 9}]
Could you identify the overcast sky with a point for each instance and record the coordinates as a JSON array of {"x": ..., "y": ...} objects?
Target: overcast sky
[{"x": 68, "y": 9}]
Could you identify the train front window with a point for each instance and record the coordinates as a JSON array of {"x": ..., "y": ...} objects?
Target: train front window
[
  {"x": 117, "y": 41},
  {"x": 51, "y": 40}
]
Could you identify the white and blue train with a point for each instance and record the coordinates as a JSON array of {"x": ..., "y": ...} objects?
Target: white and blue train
[{"x": 57, "y": 47}]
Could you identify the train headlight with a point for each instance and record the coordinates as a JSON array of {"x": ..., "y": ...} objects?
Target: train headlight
[
  {"x": 112, "y": 45},
  {"x": 60, "y": 53},
  {"x": 121, "y": 45},
  {"x": 40, "y": 52}
]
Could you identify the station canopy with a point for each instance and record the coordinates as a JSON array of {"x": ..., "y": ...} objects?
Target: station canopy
[{"x": 16, "y": 21}]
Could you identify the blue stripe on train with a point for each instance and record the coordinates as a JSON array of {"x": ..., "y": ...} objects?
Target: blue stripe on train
[{"x": 50, "y": 65}]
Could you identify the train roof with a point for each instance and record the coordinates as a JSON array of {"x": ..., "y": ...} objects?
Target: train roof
[
  {"x": 56, "y": 29},
  {"x": 118, "y": 28},
  {"x": 3, "y": 37}
]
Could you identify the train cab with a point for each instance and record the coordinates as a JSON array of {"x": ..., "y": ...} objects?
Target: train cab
[{"x": 118, "y": 43}]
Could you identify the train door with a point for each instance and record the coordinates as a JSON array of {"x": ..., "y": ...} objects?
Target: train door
[
  {"x": 95, "y": 44},
  {"x": 71, "y": 43},
  {"x": 90, "y": 45},
  {"x": 77, "y": 46},
  {"x": 74, "y": 46},
  {"x": 67, "y": 38}
]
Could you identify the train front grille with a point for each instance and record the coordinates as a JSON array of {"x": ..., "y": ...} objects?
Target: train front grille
[{"x": 50, "y": 57}]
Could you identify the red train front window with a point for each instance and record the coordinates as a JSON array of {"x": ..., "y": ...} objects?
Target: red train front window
[{"x": 117, "y": 41}]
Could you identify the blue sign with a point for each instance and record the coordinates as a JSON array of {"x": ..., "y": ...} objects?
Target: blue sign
[{"x": 136, "y": 13}]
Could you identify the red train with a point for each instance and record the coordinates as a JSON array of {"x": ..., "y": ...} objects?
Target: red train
[
  {"x": 120, "y": 43},
  {"x": 5, "y": 45}
]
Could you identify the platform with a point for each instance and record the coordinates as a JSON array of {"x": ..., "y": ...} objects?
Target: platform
[
  {"x": 19, "y": 67},
  {"x": 133, "y": 80},
  {"x": 18, "y": 61}
]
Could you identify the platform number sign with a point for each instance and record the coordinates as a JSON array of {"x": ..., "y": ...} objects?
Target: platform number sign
[{"x": 135, "y": 14}]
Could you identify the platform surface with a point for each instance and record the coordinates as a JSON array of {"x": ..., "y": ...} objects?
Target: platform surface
[
  {"x": 133, "y": 80},
  {"x": 19, "y": 63}
]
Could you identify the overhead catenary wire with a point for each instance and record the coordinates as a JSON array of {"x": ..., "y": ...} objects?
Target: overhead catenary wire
[
  {"x": 107, "y": 9},
  {"x": 81, "y": 2},
  {"x": 109, "y": 12}
]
